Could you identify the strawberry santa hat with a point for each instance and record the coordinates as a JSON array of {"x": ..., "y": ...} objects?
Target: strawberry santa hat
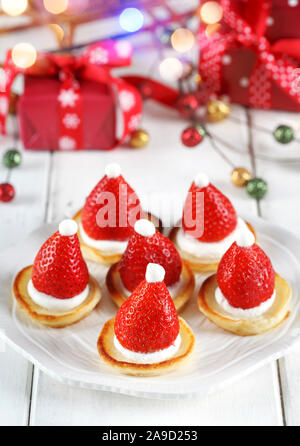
[
  {"x": 245, "y": 274},
  {"x": 214, "y": 210},
  {"x": 112, "y": 207},
  {"x": 59, "y": 269},
  {"x": 147, "y": 322},
  {"x": 147, "y": 245}
]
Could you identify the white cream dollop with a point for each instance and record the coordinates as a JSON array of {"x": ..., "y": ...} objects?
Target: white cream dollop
[
  {"x": 54, "y": 304},
  {"x": 240, "y": 313},
  {"x": 144, "y": 227},
  {"x": 149, "y": 358},
  {"x": 113, "y": 170},
  {"x": 201, "y": 180},
  {"x": 211, "y": 251},
  {"x": 68, "y": 227},
  {"x": 155, "y": 273},
  {"x": 109, "y": 246}
]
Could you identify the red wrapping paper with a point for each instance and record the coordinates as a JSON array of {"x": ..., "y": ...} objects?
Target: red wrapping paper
[
  {"x": 280, "y": 27},
  {"x": 39, "y": 117}
]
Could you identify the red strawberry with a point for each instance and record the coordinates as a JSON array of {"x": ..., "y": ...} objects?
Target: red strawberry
[
  {"x": 59, "y": 269},
  {"x": 147, "y": 321},
  {"x": 219, "y": 215},
  {"x": 112, "y": 208},
  {"x": 146, "y": 245},
  {"x": 246, "y": 276}
]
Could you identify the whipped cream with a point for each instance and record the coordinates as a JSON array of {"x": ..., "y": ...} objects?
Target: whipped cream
[
  {"x": 53, "y": 303},
  {"x": 113, "y": 170},
  {"x": 149, "y": 358},
  {"x": 240, "y": 313},
  {"x": 110, "y": 246},
  {"x": 212, "y": 251},
  {"x": 174, "y": 289}
]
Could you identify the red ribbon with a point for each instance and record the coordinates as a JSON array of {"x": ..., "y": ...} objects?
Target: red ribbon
[
  {"x": 95, "y": 64},
  {"x": 274, "y": 62}
]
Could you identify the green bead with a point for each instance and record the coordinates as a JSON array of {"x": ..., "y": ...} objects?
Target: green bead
[
  {"x": 201, "y": 130},
  {"x": 283, "y": 134},
  {"x": 12, "y": 158},
  {"x": 257, "y": 188}
]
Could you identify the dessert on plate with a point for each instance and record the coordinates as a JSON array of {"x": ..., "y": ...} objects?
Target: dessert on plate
[
  {"x": 146, "y": 245},
  {"x": 209, "y": 226},
  {"x": 57, "y": 289},
  {"x": 147, "y": 337},
  {"x": 108, "y": 216},
  {"x": 246, "y": 296}
]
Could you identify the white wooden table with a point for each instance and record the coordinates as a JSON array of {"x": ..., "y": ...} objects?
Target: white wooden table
[{"x": 50, "y": 186}]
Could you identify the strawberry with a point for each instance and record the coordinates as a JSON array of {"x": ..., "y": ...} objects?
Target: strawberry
[
  {"x": 144, "y": 246},
  {"x": 112, "y": 208},
  {"x": 59, "y": 269},
  {"x": 147, "y": 321},
  {"x": 246, "y": 276},
  {"x": 219, "y": 215}
]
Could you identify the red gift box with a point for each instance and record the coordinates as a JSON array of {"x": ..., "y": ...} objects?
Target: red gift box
[
  {"x": 69, "y": 103},
  {"x": 255, "y": 57},
  {"x": 39, "y": 118}
]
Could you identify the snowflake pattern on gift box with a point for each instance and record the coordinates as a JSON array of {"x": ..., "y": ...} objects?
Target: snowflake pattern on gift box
[
  {"x": 71, "y": 121},
  {"x": 68, "y": 97},
  {"x": 3, "y": 105},
  {"x": 134, "y": 122},
  {"x": 123, "y": 49},
  {"x": 67, "y": 143},
  {"x": 99, "y": 56},
  {"x": 127, "y": 100}
]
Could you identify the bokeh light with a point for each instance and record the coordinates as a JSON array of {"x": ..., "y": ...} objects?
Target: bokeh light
[
  {"x": 24, "y": 55},
  {"x": 14, "y": 7},
  {"x": 131, "y": 19},
  {"x": 171, "y": 69},
  {"x": 211, "y": 29},
  {"x": 58, "y": 30},
  {"x": 56, "y": 6},
  {"x": 182, "y": 40},
  {"x": 211, "y": 12}
]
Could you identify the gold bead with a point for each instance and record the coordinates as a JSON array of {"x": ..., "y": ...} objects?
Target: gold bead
[
  {"x": 240, "y": 176},
  {"x": 217, "y": 110},
  {"x": 139, "y": 138}
]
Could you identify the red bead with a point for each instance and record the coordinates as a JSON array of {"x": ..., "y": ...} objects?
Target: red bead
[
  {"x": 187, "y": 104},
  {"x": 7, "y": 192},
  {"x": 190, "y": 137}
]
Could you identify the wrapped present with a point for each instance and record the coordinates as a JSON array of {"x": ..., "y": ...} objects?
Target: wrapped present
[
  {"x": 69, "y": 103},
  {"x": 254, "y": 58}
]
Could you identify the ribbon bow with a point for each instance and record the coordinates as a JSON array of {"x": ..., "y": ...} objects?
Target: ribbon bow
[
  {"x": 274, "y": 61},
  {"x": 94, "y": 64}
]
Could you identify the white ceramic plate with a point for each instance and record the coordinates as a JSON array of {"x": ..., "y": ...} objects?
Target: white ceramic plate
[{"x": 70, "y": 354}]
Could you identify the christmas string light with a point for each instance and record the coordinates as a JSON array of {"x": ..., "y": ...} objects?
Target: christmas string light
[
  {"x": 131, "y": 19},
  {"x": 210, "y": 13},
  {"x": 14, "y": 7},
  {"x": 24, "y": 55},
  {"x": 182, "y": 40},
  {"x": 171, "y": 69},
  {"x": 56, "y": 6}
]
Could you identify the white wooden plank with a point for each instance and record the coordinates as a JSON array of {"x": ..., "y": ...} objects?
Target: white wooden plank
[
  {"x": 248, "y": 402},
  {"x": 15, "y": 383},
  {"x": 164, "y": 167},
  {"x": 282, "y": 206},
  {"x": 17, "y": 218}
]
